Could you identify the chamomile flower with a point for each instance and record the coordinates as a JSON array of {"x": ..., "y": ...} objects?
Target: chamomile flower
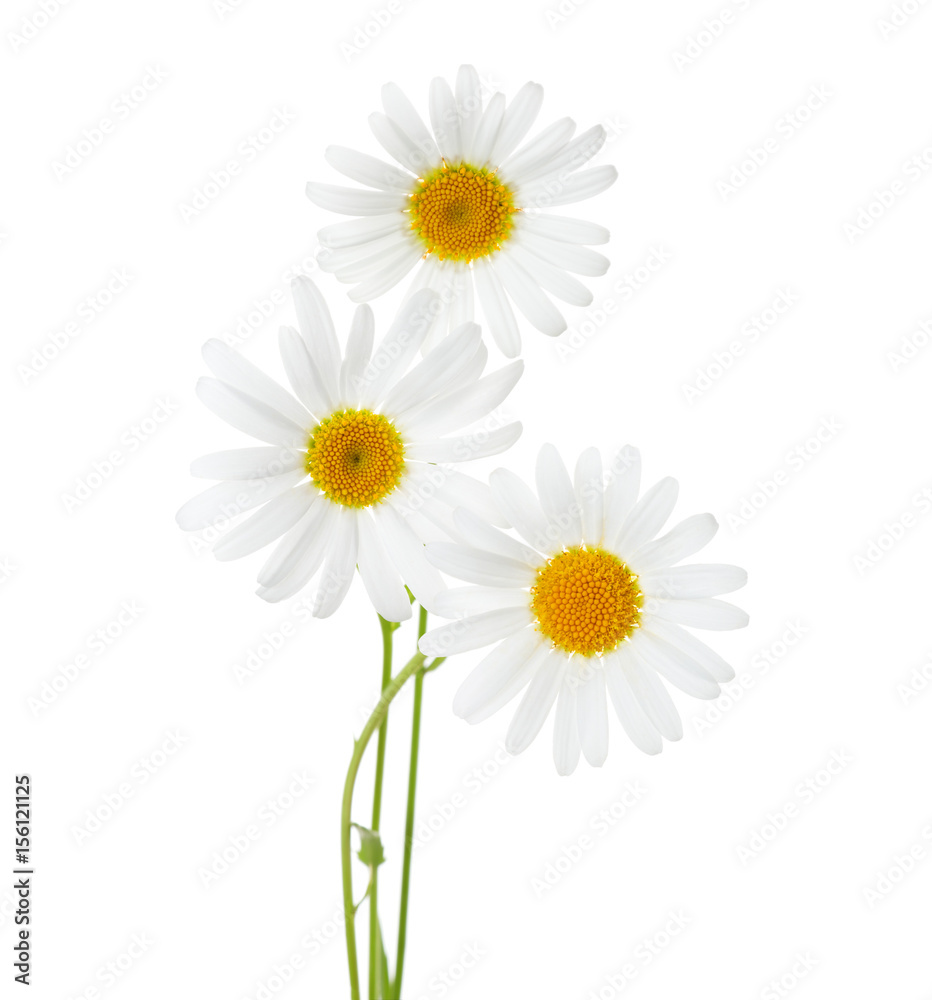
[
  {"x": 473, "y": 204},
  {"x": 352, "y": 472},
  {"x": 589, "y": 607}
]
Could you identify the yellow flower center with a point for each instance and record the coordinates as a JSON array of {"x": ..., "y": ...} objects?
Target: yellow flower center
[
  {"x": 355, "y": 457},
  {"x": 461, "y": 212},
  {"x": 586, "y": 601}
]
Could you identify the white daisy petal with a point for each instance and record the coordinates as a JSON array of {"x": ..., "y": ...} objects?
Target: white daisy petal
[
  {"x": 224, "y": 501},
  {"x": 431, "y": 375},
  {"x": 522, "y": 510},
  {"x": 465, "y": 406},
  {"x": 358, "y": 354},
  {"x": 267, "y": 525},
  {"x": 588, "y": 486},
  {"x": 305, "y": 377},
  {"x": 339, "y": 566},
  {"x": 399, "y": 346},
  {"x": 576, "y": 187},
  {"x": 536, "y": 704},
  {"x": 480, "y": 147},
  {"x": 483, "y": 535},
  {"x": 249, "y": 415},
  {"x": 674, "y": 666},
  {"x": 621, "y": 491},
  {"x": 440, "y": 277},
  {"x": 686, "y": 539},
  {"x": 462, "y": 308},
  {"x": 398, "y": 144},
  {"x": 648, "y": 515},
  {"x": 552, "y": 279},
  {"x": 456, "y": 489},
  {"x": 361, "y": 231},
  {"x": 698, "y": 580},
  {"x": 368, "y": 170},
  {"x": 562, "y": 229},
  {"x": 520, "y": 115},
  {"x": 571, "y": 157},
  {"x": 468, "y": 103},
  {"x": 350, "y": 264},
  {"x": 499, "y": 676},
  {"x": 444, "y": 120},
  {"x": 538, "y": 150},
  {"x": 592, "y": 717},
  {"x": 475, "y": 566},
  {"x": 425, "y": 530},
  {"x": 415, "y": 498},
  {"x": 634, "y": 721},
  {"x": 352, "y": 201},
  {"x": 694, "y": 648},
  {"x": 302, "y": 547},
  {"x": 566, "y": 734},
  {"x": 467, "y": 375},
  {"x": 311, "y": 553},
  {"x": 709, "y": 613},
  {"x": 651, "y": 694},
  {"x": 558, "y": 498},
  {"x": 316, "y": 326},
  {"x": 401, "y": 111},
  {"x": 395, "y": 265},
  {"x": 358, "y": 264},
  {"x": 472, "y": 633},
  {"x": 379, "y": 575},
  {"x": 231, "y": 367},
  {"x": 246, "y": 463},
  {"x": 461, "y": 602},
  {"x": 499, "y": 314},
  {"x": 579, "y": 260},
  {"x": 408, "y": 554},
  {"x": 528, "y": 297},
  {"x": 466, "y": 448}
]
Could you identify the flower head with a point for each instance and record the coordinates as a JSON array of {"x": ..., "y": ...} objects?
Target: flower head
[
  {"x": 472, "y": 203},
  {"x": 354, "y": 470},
  {"x": 588, "y": 607}
]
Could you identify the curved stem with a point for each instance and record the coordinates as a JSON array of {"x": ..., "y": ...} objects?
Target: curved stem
[
  {"x": 374, "y": 964},
  {"x": 409, "y": 816},
  {"x": 359, "y": 748}
]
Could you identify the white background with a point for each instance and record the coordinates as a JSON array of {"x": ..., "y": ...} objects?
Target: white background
[{"x": 825, "y": 569}]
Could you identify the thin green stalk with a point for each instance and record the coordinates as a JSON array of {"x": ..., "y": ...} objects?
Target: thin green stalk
[
  {"x": 359, "y": 748},
  {"x": 409, "y": 816},
  {"x": 388, "y": 629}
]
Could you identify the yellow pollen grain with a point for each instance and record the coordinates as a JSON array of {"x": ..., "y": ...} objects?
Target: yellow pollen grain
[
  {"x": 461, "y": 212},
  {"x": 586, "y": 601},
  {"x": 355, "y": 457}
]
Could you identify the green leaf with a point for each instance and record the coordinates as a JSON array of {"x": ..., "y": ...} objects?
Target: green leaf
[{"x": 370, "y": 847}]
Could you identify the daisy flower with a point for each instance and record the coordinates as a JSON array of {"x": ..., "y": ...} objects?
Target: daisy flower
[
  {"x": 470, "y": 204},
  {"x": 588, "y": 607},
  {"x": 343, "y": 479}
]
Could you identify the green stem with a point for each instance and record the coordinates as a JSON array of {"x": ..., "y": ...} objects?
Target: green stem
[
  {"x": 374, "y": 964},
  {"x": 359, "y": 748},
  {"x": 409, "y": 816}
]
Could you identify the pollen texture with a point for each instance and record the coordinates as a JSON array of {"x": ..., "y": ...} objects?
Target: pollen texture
[
  {"x": 586, "y": 601},
  {"x": 355, "y": 457},
  {"x": 461, "y": 212}
]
